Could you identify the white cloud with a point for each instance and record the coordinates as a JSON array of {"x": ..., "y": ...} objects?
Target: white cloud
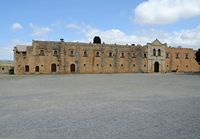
[
  {"x": 185, "y": 38},
  {"x": 73, "y": 26},
  {"x": 39, "y": 31},
  {"x": 16, "y": 27},
  {"x": 6, "y": 50},
  {"x": 166, "y": 11}
]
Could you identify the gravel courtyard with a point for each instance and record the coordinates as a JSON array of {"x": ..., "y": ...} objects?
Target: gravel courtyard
[{"x": 100, "y": 106}]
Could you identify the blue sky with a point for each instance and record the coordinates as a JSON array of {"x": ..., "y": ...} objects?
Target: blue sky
[{"x": 176, "y": 22}]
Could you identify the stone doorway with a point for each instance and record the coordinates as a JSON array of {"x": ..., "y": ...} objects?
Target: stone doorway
[
  {"x": 37, "y": 69},
  {"x": 72, "y": 68},
  {"x": 53, "y": 68},
  {"x": 156, "y": 67}
]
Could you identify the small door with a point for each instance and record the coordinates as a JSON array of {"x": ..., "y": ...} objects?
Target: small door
[
  {"x": 156, "y": 67},
  {"x": 37, "y": 69},
  {"x": 26, "y": 68},
  {"x": 53, "y": 68},
  {"x": 72, "y": 68}
]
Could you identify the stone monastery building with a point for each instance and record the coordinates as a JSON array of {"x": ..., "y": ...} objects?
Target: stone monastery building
[{"x": 46, "y": 57}]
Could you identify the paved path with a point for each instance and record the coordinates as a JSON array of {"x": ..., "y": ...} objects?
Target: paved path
[{"x": 100, "y": 106}]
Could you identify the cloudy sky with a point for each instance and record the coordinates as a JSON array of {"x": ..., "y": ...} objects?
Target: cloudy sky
[{"x": 175, "y": 22}]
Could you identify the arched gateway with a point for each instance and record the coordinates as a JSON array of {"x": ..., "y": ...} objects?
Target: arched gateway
[
  {"x": 53, "y": 68},
  {"x": 72, "y": 68},
  {"x": 156, "y": 67}
]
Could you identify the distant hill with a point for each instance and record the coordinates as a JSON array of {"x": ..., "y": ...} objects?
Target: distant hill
[{"x": 3, "y": 62}]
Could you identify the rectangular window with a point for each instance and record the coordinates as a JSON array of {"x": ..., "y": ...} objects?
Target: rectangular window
[
  {"x": 177, "y": 55},
  {"x": 167, "y": 55},
  {"x": 186, "y": 56},
  {"x": 133, "y": 55},
  {"x": 145, "y": 55},
  {"x": 110, "y": 54}
]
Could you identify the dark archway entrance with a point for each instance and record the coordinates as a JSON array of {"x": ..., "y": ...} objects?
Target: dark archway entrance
[
  {"x": 72, "y": 68},
  {"x": 53, "y": 68},
  {"x": 156, "y": 67},
  {"x": 26, "y": 68},
  {"x": 37, "y": 69}
]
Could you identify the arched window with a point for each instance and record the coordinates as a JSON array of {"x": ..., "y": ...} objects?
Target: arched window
[
  {"x": 122, "y": 55},
  {"x": 159, "y": 52},
  {"x": 72, "y": 53},
  {"x": 37, "y": 69},
  {"x": 55, "y": 52},
  {"x": 42, "y": 52},
  {"x": 154, "y": 52},
  {"x": 97, "y": 54},
  {"x": 26, "y": 68},
  {"x": 85, "y": 54},
  {"x": 110, "y": 54}
]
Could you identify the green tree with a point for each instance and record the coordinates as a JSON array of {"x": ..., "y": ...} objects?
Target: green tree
[{"x": 198, "y": 56}]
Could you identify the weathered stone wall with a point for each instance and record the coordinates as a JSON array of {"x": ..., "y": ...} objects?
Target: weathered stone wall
[
  {"x": 181, "y": 62},
  {"x": 5, "y": 66},
  {"x": 111, "y": 59}
]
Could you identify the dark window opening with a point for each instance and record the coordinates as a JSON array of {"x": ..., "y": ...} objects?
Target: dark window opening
[
  {"x": 23, "y": 53},
  {"x": 122, "y": 55},
  {"x": 97, "y": 54},
  {"x": 186, "y": 56},
  {"x": 154, "y": 52},
  {"x": 145, "y": 65},
  {"x": 122, "y": 65},
  {"x": 167, "y": 55},
  {"x": 110, "y": 54},
  {"x": 55, "y": 52},
  {"x": 159, "y": 52},
  {"x": 133, "y": 55},
  {"x": 2, "y": 69},
  {"x": 85, "y": 54},
  {"x": 133, "y": 65},
  {"x": 84, "y": 65},
  {"x": 177, "y": 56},
  {"x": 145, "y": 55},
  {"x": 97, "y": 65},
  {"x": 42, "y": 52},
  {"x": 110, "y": 65},
  {"x": 71, "y": 53},
  {"x": 186, "y": 66}
]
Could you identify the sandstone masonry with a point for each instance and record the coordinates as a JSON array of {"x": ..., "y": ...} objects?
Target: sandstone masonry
[{"x": 47, "y": 57}]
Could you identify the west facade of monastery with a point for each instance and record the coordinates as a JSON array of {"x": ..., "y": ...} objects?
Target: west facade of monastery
[{"x": 48, "y": 57}]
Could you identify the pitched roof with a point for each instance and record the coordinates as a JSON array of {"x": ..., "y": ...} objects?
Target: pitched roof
[{"x": 156, "y": 42}]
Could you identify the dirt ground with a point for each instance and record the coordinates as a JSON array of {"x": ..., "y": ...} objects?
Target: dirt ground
[{"x": 100, "y": 106}]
